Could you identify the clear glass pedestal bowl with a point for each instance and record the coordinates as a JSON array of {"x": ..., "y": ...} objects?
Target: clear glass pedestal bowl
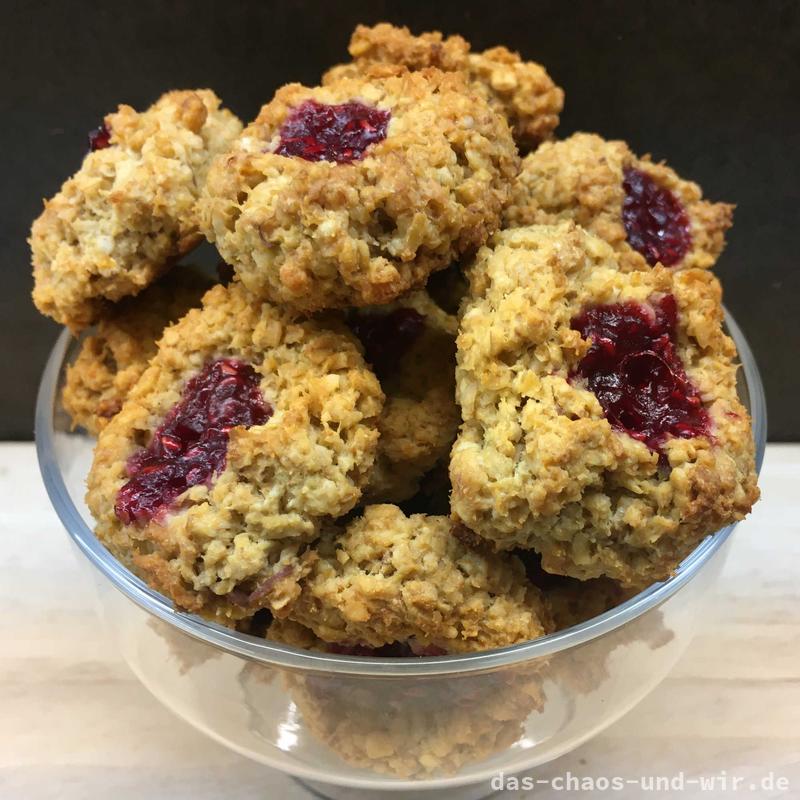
[{"x": 363, "y": 727}]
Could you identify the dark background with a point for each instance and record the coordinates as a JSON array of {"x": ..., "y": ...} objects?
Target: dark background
[{"x": 712, "y": 86}]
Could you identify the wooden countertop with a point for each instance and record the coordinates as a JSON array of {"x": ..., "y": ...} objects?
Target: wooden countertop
[{"x": 76, "y": 723}]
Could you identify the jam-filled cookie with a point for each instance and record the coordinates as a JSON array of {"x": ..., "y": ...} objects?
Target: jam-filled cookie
[
  {"x": 602, "y": 425},
  {"x": 352, "y": 193},
  {"x": 247, "y": 431},
  {"x": 644, "y": 210},
  {"x": 130, "y": 210}
]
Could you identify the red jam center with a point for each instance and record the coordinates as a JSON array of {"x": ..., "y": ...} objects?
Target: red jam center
[
  {"x": 635, "y": 372},
  {"x": 656, "y": 224},
  {"x": 191, "y": 445},
  {"x": 387, "y": 337},
  {"x": 99, "y": 138},
  {"x": 340, "y": 133}
]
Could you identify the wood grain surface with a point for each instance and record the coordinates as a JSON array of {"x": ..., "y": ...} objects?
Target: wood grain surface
[{"x": 77, "y": 724}]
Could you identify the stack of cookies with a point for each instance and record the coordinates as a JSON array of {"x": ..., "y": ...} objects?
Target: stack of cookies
[{"x": 443, "y": 392}]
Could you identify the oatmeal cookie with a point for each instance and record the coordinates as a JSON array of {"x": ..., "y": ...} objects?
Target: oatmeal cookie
[
  {"x": 410, "y": 344},
  {"x": 111, "y": 360},
  {"x": 394, "y": 731},
  {"x": 645, "y": 211},
  {"x": 391, "y": 578},
  {"x": 246, "y": 431},
  {"x": 602, "y": 425},
  {"x": 353, "y": 193},
  {"x": 130, "y": 210},
  {"x": 411, "y": 729},
  {"x": 521, "y": 91}
]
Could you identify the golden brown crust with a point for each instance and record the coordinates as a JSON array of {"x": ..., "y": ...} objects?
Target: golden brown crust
[
  {"x": 322, "y": 235},
  {"x": 521, "y": 91},
  {"x": 390, "y": 578},
  {"x": 537, "y": 465},
  {"x": 387, "y": 44},
  {"x": 113, "y": 358},
  {"x": 420, "y": 417},
  {"x": 580, "y": 179},
  {"x": 221, "y": 547},
  {"x": 130, "y": 210}
]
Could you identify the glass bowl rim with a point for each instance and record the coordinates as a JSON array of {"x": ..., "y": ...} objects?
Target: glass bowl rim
[{"x": 284, "y": 656}]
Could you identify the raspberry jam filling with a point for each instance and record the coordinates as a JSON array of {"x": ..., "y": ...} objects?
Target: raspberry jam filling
[
  {"x": 340, "y": 133},
  {"x": 386, "y": 337},
  {"x": 656, "y": 224},
  {"x": 99, "y": 138},
  {"x": 191, "y": 445},
  {"x": 637, "y": 375}
]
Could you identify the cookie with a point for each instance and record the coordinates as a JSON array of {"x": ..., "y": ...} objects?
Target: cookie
[
  {"x": 328, "y": 201},
  {"x": 394, "y": 732},
  {"x": 521, "y": 91},
  {"x": 112, "y": 359},
  {"x": 410, "y": 345},
  {"x": 390, "y": 578},
  {"x": 644, "y": 210},
  {"x": 405, "y": 728},
  {"x": 602, "y": 426},
  {"x": 245, "y": 433},
  {"x": 130, "y": 210}
]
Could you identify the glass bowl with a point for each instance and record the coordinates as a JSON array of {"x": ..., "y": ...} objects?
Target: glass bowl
[{"x": 354, "y": 727}]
